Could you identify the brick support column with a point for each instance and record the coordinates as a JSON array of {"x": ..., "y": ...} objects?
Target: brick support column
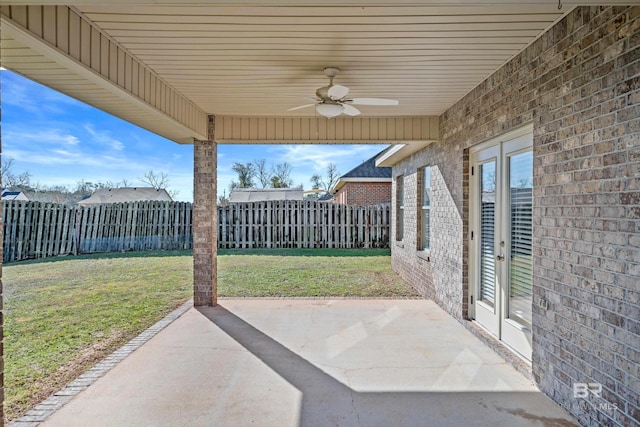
[
  {"x": 1, "y": 314},
  {"x": 205, "y": 220},
  {"x": 1, "y": 326}
]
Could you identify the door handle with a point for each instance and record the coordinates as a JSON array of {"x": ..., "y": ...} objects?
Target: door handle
[{"x": 500, "y": 257}]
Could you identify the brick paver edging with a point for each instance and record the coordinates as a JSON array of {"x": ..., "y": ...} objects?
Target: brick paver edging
[{"x": 46, "y": 408}]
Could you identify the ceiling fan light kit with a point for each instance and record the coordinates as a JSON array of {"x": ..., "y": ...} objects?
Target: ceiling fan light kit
[
  {"x": 329, "y": 110},
  {"x": 332, "y": 99}
]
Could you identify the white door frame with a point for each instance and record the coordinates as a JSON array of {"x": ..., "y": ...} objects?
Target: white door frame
[{"x": 495, "y": 319}]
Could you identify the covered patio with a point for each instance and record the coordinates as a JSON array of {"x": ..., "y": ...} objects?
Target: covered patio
[
  {"x": 465, "y": 73},
  {"x": 224, "y": 74},
  {"x": 311, "y": 363}
]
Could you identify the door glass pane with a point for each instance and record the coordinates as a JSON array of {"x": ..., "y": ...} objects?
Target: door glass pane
[
  {"x": 426, "y": 209},
  {"x": 521, "y": 265},
  {"x": 487, "y": 232}
]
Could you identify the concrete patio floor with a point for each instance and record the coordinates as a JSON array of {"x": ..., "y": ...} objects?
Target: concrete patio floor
[{"x": 313, "y": 363}]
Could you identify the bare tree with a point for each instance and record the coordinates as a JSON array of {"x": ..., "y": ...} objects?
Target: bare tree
[
  {"x": 262, "y": 173},
  {"x": 86, "y": 188},
  {"x": 156, "y": 180},
  {"x": 332, "y": 176},
  {"x": 6, "y": 169},
  {"x": 281, "y": 175},
  {"x": 13, "y": 180},
  {"x": 159, "y": 181},
  {"x": 327, "y": 182}
]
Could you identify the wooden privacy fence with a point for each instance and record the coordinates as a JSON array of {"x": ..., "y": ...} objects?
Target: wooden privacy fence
[
  {"x": 39, "y": 230},
  {"x": 302, "y": 224}
]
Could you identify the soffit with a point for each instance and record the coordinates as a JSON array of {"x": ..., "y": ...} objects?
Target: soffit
[
  {"x": 252, "y": 60},
  {"x": 45, "y": 64}
]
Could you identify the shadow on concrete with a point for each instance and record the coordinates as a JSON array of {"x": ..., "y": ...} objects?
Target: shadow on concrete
[{"x": 327, "y": 401}]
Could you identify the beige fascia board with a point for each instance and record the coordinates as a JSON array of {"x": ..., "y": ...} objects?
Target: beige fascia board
[
  {"x": 342, "y": 181},
  {"x": 320, "y": 130},
  {"x": 41, "y": 46},
  {"x": 398, "y": 152},
  {"x": 305, "y": 142},
  {"x": 337, "y": 187}
]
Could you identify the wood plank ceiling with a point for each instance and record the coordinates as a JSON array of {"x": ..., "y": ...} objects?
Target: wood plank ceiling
[{"x": 262, "y": 60}]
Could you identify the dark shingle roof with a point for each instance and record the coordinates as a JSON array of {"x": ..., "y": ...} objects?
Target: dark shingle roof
[
  {"x": 368, "y": 169},
  {"x": 325, "y": 197},
  {"x": 14, "y": 195}
]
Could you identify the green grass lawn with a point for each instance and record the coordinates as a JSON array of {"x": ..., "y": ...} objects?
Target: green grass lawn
[
  {"x": 309, "y": 273},
  {"x": 62, "y": 315}
]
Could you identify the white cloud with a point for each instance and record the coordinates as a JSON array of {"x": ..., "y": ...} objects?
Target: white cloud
[
  {"x": 26, "y": 95},
  {"x": 54, "y": 137},
  {"x": 58, "y": 156},
  {"x": 104, "y": 138},
  {"x": 318, "y": 157}
]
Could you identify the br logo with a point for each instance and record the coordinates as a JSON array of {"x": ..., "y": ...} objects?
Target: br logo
[{"x": 582, "y": 390}]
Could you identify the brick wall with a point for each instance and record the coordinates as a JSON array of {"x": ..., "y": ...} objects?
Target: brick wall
[
  {"x": 364, "y": 193},
  {"x": 438, "y": 273},
  {"x": 579, "y": 84},
  {"x": 205, "y": 220}
]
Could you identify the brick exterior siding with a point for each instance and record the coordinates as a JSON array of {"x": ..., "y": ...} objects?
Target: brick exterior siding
[
  {"x": 364, "y": 193},
  {"x": 579, "y": 84}
]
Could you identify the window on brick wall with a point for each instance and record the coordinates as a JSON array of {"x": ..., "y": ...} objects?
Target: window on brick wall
[
  {"x": 400, "y": 207},
  {"x": 425, "y": 218}
]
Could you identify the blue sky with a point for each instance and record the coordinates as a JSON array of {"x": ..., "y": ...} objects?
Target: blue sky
[{"x": 61, "y": 141}]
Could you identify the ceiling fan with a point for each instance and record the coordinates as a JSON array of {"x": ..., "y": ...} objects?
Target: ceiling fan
[{"x": 333, "y": 101}]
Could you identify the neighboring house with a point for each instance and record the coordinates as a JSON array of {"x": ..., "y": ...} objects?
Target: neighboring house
[
  {"x": 366, "y": 184},
  {"x": 125, "y": 194},
  {"x": 55, "y": 197},
  {"x": 326, "y": 197},
  {"x": 14, "y": 195},
  {"x": 318, "y": 195},
  {"x": 265, "y": 194}
]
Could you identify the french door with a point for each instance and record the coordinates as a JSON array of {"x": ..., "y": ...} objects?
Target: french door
[{"x": 500, "y": 237}]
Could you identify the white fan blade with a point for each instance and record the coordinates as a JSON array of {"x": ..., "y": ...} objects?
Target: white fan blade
[
  {"x": 350, "y": 111},
  {"x": 337, "y": 92},
  {"x": 374, "y": 101},
  {"x": 300, "y": 107}
]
